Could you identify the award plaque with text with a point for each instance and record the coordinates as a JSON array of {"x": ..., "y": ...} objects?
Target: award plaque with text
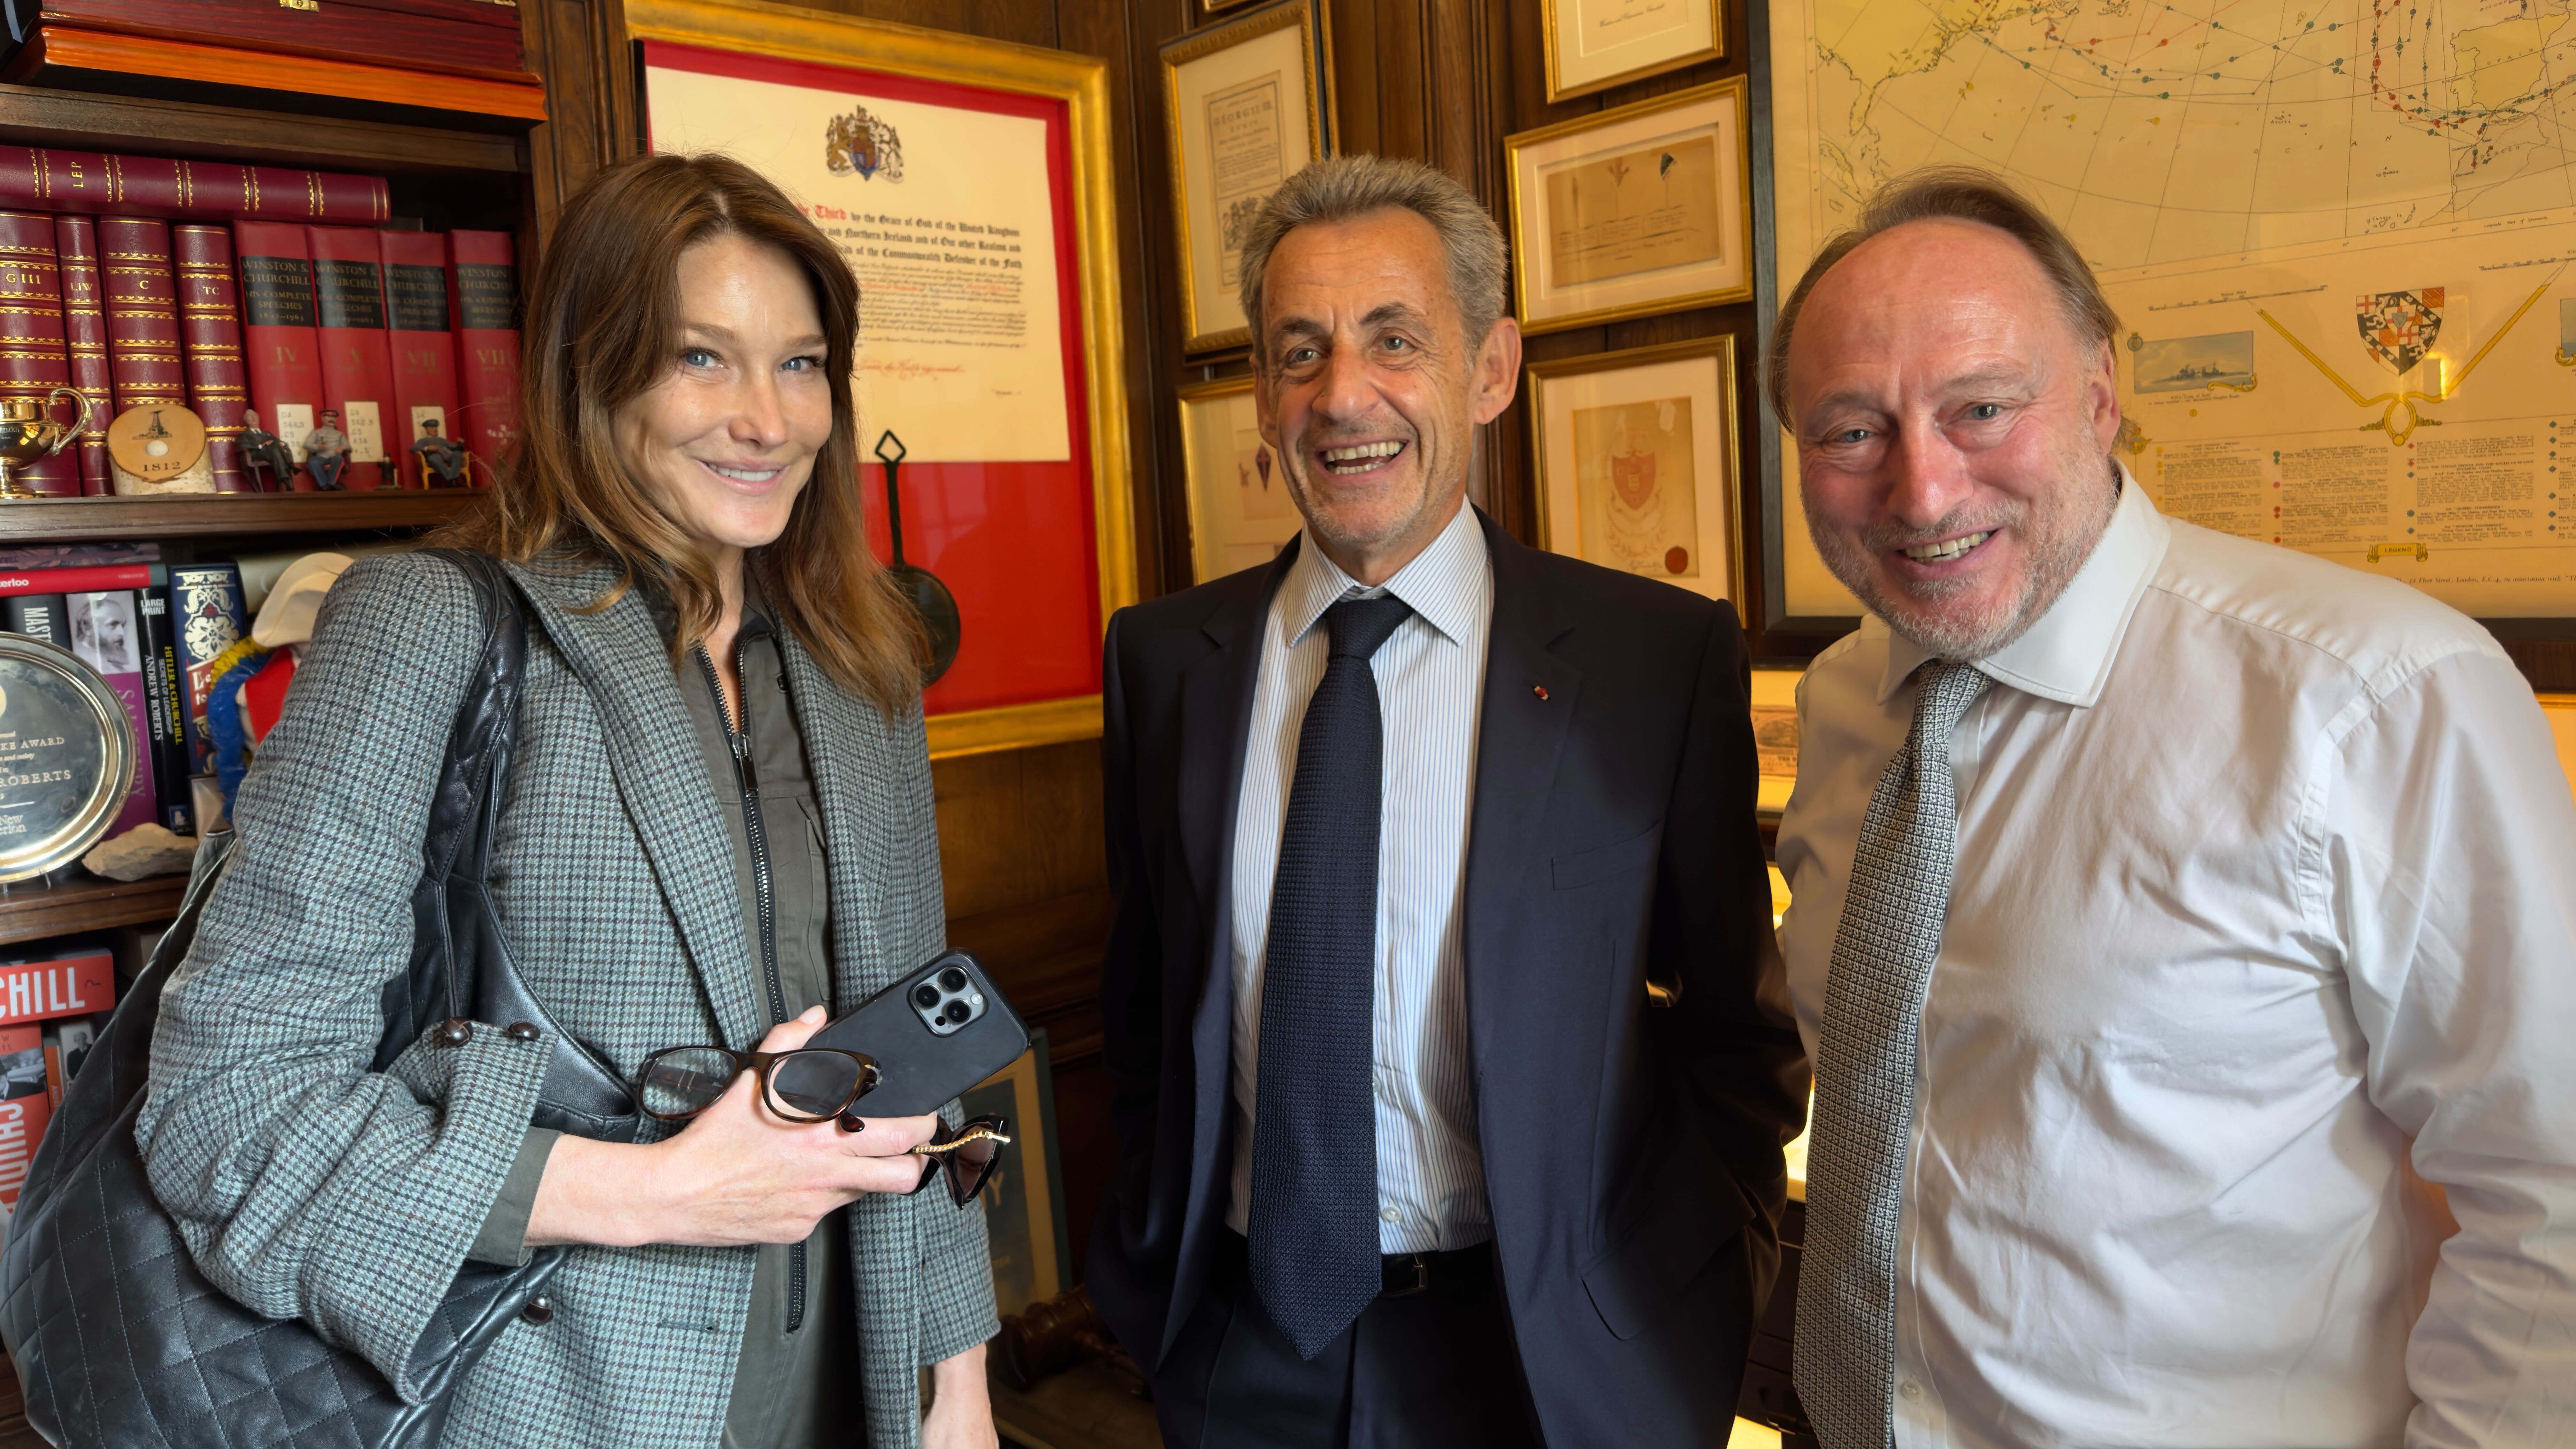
[{"x": 66, "y": 757}]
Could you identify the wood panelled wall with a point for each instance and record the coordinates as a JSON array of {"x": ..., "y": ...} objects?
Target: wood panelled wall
[{"x": 1439, "y": 80}]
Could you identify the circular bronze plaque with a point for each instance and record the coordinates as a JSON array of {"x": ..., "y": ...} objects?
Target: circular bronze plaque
[
  {"x": 66, "y": 757},
  {"x": 157, "y": 441}
]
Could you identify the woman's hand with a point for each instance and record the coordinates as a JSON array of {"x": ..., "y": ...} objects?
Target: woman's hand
[
  {"x": 736, "y": 1175},
  {"x": 961, "y": 1407}
]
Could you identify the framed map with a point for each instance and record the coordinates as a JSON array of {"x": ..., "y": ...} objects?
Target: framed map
[{"x": 2339, "y": 236}]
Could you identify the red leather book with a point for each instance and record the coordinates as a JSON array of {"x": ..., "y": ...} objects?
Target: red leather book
[
  {"x": 473, "y": 36},
  {"x": 423, "y": 347},
  {"x": 89, "y": 182},
  {"x": 32, "y": 356},
  {"x": 357, "y": 364},
  {"x": 285, "y": 357},
  {"x": 483, "y": 278},
  {"x": 144, "y": 364},
  {"x": 210, "y": 334},
  {"x": 85, "y": 341}
]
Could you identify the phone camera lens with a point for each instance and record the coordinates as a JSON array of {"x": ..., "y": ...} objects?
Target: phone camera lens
[
  {"x": 956, "y": 1013},
  {"x": 953, "y": 979},
  {"x": 925, "y": 996}
]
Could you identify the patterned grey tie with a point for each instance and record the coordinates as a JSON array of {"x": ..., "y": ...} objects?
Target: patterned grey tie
[{"x": 1865, "y": 1056}]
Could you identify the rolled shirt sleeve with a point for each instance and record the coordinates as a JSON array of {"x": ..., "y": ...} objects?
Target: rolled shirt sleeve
[{"x": 503, "y": 1239}]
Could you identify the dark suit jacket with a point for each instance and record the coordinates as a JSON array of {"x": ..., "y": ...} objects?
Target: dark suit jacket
[{"x": 1632, "y": 1153}]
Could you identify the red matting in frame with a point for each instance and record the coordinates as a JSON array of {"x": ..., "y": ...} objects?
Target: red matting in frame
[{"x": 1013, "y": 541}]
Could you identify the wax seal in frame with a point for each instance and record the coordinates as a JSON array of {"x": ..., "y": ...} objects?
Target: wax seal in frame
[
  {"x": 160, "y": 448},
  {"x": 66, "y": 757}
]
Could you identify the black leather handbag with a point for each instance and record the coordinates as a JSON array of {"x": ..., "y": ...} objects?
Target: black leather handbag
[{"x": 119, "y": 1341}]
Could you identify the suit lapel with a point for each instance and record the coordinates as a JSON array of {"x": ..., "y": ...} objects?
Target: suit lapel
[
  {"x": 1520, "y": 737},
  {"x": 860, "y": 780},
  {"x": 619, "y": 653}
]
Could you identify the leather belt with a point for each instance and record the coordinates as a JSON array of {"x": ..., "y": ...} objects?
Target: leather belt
[{"x": 1407, "y": 1274}]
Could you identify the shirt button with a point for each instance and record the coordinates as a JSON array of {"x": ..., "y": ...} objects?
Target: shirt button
[
  {"x": 1911, "y": 1390},
  {"x": 1390, "y": 1215}
]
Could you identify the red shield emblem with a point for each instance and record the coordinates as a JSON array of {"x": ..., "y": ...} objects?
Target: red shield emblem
[{"x": 2399, "y": 327}]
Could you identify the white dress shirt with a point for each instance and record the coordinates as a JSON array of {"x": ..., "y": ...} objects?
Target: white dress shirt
[
  {"x": 2266, "y": 877},
  {"x": 1430, "y": 684}
]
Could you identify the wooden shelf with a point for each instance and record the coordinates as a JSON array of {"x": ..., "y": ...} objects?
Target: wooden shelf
[
  {"x": 31, "y": 912},
  {"x": 229, "y": 515},
  {"x": 75, "y": 58},
  {"x": 142, "y": 126}
]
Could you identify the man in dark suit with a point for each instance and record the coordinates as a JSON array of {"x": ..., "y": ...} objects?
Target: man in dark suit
[{"x": 1451, "y": 1056}]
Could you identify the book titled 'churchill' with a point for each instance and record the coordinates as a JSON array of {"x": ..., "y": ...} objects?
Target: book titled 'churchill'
[
  {"x": 349, "y": 318},
  {"x": 284, "y": 356},
  {"x": 423, "y": 347},
  {"x": 485, "y": 280},
  {"x": 32, "y": 360}
]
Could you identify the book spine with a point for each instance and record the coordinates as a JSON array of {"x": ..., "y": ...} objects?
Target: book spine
[
  {"x": 357, "y": 363},
  {"x": 74, "y": 580},
  {"x": 144, "y": 363},
  {"x": 206, "y": 618},
  {"x": 106, "y": 636},
  {"x": 56, "y": 986},
  {"x": 85, "y": 342},
  {"x": 423, "y": 347},
  {"x": 38, "y": 616},
  {"x": 284, "y": 358},
  {"x": 33, "y": 361},
  {"x": 483, "y": 278},
  {"x": 94, "y": 184},
  {"x": 210, "y": 334},
  {"x": 24, "y": 1107},
  {"x": 161, "y": 694}
]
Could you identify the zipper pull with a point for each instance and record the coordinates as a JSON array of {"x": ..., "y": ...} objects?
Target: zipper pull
[{"x": 742, "y": 759}]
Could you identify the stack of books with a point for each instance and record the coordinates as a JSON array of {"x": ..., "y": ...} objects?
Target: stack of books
[
  {"x": 153, "y": 631},
  {"x": 51, "y": 1009},
  {"x": 137, "y": 281}
]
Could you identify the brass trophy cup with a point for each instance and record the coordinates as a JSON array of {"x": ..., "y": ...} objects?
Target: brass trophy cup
[{"x": 29, "y": 434}]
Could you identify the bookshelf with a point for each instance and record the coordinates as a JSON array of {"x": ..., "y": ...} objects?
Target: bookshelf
[{"x": 229, "y": 517}]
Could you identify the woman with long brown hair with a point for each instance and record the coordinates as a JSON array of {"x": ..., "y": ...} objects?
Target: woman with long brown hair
[{"x": 717, "y": 831}]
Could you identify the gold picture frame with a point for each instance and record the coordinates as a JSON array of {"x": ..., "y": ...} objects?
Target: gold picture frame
[
  {"x": 1228, "y": 112},
  {"x": 1608, "y": 431},
  {"x": 1677, "y": 238},
  {"x": 756, "y": 28},
  {"x": 1241, "y": 513},
  {"x": 1634, "y": 43}
]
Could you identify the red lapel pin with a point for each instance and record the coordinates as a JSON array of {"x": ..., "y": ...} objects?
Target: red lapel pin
[{"x": 1539, "y": 689}]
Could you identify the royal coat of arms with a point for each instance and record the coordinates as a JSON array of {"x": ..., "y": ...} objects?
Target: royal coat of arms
[
  {"x": 2399, "y": 327},
  {"x": 861, "y": 143}
]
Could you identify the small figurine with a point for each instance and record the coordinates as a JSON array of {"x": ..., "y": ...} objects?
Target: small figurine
[
  {"x": 326, "y": 452},
  {"x": 271, "y": 462},
  {"x": 442, "y": 456}
]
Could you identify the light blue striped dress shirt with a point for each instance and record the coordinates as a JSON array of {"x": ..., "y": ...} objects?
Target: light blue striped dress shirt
[{"x": 1430, "y": 684}]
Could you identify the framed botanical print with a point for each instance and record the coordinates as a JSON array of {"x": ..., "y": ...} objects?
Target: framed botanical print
[
  {"x": 968, "y": 184},
  {"x": 1248, "y": 103},
  {"x": 1241, "y": 513},
  {"x": 1596, "y": 44},
  {"x": 1640, "y": 209},
  {"x": 1637, "y": 462}
]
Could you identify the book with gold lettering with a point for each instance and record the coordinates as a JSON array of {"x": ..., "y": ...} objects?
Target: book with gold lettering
[
  {"x": 483, "y": 279},
  {"x": 284, "y": 357},
  {"x": 210, "y": 340},
  {"x": 32, "y": 359},
  {"x": 144, "y": 363},
  {"x": 85, "y": 342},
  {"x": 357, "y": 368},
  {"x": 422, "y": 346},
  {"x": 104, "y": 185}
]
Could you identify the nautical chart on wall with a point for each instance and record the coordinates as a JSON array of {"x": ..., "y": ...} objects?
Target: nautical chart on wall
[{"x": 2338, "y": 234}]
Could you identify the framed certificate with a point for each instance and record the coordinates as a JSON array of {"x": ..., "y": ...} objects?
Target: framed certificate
[
  {"x": 1593, "y": 45},
  {"x": 1636, "y": 210},
  {"x": 968, "y": 184},
  {"x": 1637, "y": 462},
  {"x": 1241, "y": 513},
  {"x": 1249, "y": 103}
]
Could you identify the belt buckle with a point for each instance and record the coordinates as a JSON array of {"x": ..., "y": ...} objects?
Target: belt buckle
[{"x": 1405, "y": 1275}]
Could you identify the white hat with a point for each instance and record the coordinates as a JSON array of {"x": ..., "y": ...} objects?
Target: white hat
[{"x": 287, "y": 615}]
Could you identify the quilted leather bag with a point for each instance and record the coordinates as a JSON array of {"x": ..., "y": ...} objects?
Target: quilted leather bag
[{"x": 119, "y": 1341}]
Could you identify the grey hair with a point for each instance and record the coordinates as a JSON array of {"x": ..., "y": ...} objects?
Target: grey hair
[
  {"x": 1346, "y": 187},
  {"x": 1951, "y": 193}
]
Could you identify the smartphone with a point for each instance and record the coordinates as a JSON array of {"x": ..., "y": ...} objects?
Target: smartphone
[{"x": 941, "y": 1029}]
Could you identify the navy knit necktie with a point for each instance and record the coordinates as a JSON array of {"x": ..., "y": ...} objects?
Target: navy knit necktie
[{"x": 1314, "y": 1140}]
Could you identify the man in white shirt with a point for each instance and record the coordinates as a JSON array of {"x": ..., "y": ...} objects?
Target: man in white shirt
[{"x": 2178, "y": 921}]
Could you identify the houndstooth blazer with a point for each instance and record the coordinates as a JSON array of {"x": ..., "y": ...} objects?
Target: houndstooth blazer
[{"x": 307, "y": 1186}]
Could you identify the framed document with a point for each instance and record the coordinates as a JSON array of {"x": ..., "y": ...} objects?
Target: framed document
[
  {"x": 1024, "y": 1200},
  {"x": 1636, "y": 210},
  {"x": 1637, "y": 462},
  {"x": 66, "y": 757},
  {"x": 1248, "y": 103},
  {"x": 968, "y": 184},
  {"x": 1596, "y": 44},
  {"x": 1241, "y": 513}
]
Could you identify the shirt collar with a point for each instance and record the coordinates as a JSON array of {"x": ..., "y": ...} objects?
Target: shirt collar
[
  {"x": 1442, "y": 583},
  {"x": 2067, "y": 655}
]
